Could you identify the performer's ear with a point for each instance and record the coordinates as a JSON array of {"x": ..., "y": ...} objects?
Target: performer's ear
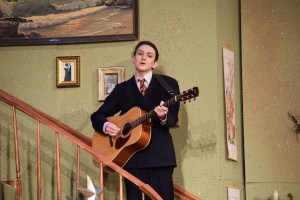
[{"x": 155, "y": 64}]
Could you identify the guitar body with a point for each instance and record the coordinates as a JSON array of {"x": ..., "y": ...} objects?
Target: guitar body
[
  {"x": 121, "y": 148},
  {"x": 136, "y": 132}
]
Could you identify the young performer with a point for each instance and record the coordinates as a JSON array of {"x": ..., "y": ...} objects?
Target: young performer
[{"x": 155, "y": 163}]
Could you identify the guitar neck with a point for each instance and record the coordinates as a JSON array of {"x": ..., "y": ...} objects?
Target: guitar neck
[
  {"x": 186, "y": 95},
  {"x": 152, "y": 113}
]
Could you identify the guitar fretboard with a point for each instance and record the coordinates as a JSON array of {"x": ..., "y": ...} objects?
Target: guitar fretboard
[
  {"x": 186, "y": 95},
  {"x": 151, "y": 113}
]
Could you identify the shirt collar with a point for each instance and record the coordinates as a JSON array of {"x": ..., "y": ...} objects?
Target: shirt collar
[{"x": 147, "y": 77}]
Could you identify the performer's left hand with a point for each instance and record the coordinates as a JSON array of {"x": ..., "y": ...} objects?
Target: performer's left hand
[{"x": 161, "y": 111}]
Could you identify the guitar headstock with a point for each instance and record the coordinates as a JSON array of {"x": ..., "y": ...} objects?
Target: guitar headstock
[{"x": 189, "y": 94}]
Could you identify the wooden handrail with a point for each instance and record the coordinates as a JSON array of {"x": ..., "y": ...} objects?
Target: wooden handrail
[
  {"x": 76, "y": 138},
  {"x": 37, "y": 114},
  {"x": 183, "y": 194},
  {"x": 85, "y": 143}
]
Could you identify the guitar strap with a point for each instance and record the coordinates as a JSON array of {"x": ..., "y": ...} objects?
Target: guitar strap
[{"x": 165, "y": 85}]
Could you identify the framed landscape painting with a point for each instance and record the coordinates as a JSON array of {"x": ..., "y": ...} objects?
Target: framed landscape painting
[{"x": 34, "y": 22}]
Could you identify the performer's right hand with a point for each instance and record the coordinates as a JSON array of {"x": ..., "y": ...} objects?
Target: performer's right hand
[{"x": 112, "y": 130}]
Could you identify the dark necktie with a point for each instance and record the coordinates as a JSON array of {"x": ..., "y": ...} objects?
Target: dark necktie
[{"x": 143, "y": 87}]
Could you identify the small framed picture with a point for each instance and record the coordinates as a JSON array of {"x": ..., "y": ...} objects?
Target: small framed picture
[
  {"x": 67, "y": 71},
  {"x": 108, "y": 78}
]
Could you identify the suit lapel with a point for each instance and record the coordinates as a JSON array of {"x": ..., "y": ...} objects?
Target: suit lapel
[
  {"x": 152, "y": 92},
  {"x": 133, "y": 93}
]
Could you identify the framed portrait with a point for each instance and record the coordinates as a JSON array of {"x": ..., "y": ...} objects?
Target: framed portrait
[
  {"x": 67, "y": 71},
  {"x": 108, "y": 78},
  {"x": 68, "y": 21}
]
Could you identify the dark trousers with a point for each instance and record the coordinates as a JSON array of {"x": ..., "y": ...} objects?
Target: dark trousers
[{"x": 160, "y": 179}]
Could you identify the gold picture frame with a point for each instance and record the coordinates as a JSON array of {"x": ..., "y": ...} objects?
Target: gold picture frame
[
  {"x": 108, "y": 78},
  {"x": 67, "y": 71}
]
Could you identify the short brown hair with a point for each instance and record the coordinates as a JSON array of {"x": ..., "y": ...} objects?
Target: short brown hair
[{"x": 146, "y": 43}]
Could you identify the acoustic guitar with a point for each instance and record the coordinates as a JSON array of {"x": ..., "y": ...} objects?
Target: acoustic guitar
[{"x": 135, "y": 132}]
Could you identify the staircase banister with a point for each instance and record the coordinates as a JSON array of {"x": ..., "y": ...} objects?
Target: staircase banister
[
  {"x": 38, "y": 115},
  {"x": 183, "y": 194},
  {"x": 85, "y": 143},
  {"x": 76, "y": 138}
]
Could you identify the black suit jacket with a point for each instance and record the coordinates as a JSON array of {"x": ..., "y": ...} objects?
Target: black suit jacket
[{"x": 160, "y": 151}]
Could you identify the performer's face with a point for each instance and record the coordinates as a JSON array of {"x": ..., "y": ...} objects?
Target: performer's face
[{"x": 144, "y": 59}]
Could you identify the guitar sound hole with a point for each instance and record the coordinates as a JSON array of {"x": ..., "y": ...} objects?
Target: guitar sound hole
[{"x": 126, "y": 129}]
